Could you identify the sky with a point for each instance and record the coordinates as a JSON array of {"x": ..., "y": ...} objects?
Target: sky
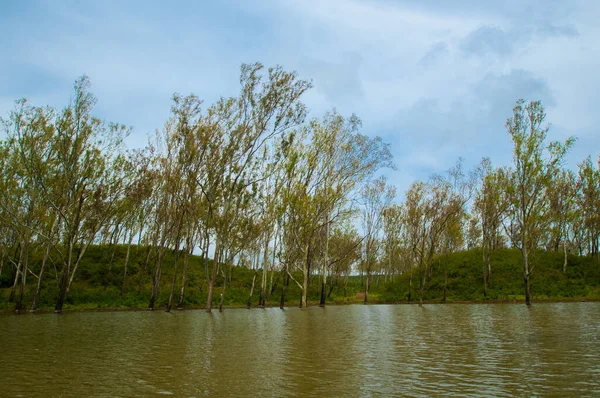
[{"x": 435, "y": 79}]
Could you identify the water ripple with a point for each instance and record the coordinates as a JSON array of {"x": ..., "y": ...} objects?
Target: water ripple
[{"x": 402, "y": 350}]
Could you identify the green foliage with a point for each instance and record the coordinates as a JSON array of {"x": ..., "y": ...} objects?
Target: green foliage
[
  {"x": 94, "y": 290},
  {"x": 465, "y": 281}
]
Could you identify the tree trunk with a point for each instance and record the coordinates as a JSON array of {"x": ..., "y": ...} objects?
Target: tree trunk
[
  {"x": 284, "y": 283},
  {"x": 346, "y": 283},
  {"x": 224, "y": 286},
  {"x": 156, "y": 279},
  {"x": 251, "y": 292},
  {"x": 271, "y": 287},
  {"x": 367, "y": 281},
  {"x": 125, "y": 264},
  {"x": 332, "y": 284},
  {"x": 422, "y": 280},
  {"x": 62, "y": 290},
  {"x": 211, "y": 281},
  {"x": 445, "y": 278},
  {"x": 527, "y": 291},
  {"x": 174, "y": 281},
  {"x": 24, "y": 265},
  {"x": 11, "y": 296},
  {"x": 303, "y": 299},
  {"x": 184, "y": 275},
  {"x": 325, "y": 266},
  {"x": 114, "y": 240},
  {"x": 205, "y": 254},
  {"x": 2, "y": 262},
  {"x": 36, "y": 296},
  {"x": 144, "y": 268},
  {"x": 526, "y": 275},
  {"x": 263, "y": 282},
  {"x": 485, "y": 287},
  {"x": 566, "y": 258},
  {"x": 410, "y": 278},
  {"x": 489, "y": 265}
]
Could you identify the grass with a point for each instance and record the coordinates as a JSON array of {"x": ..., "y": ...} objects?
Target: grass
[{"x": 95, "y": 288}]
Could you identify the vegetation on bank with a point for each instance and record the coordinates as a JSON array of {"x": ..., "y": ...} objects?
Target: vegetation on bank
[
  {"x": 293, "y": 202},
  {"x": 96, "y": 288}
]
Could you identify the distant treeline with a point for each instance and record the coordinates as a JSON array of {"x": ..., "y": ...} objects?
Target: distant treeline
[{"x": 296, "y": 202}]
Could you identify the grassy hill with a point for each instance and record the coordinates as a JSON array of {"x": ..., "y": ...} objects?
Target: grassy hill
[
  {"x": 97, "y": 288},
  {"x": 465, "y": 280}
]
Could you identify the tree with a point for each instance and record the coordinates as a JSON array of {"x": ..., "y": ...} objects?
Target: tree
[
  {"x": 589, "y": 204},
  {"x": 561, "y": 196},
  {"x": 534, "y": 165},
  {"x": 489, "y": 206},
  {"x": 392, "y": 232},
  {"x": 377, "y": 197}
]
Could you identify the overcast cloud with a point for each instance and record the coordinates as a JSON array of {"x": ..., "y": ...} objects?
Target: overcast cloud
[{"x": 437, "y": 79}]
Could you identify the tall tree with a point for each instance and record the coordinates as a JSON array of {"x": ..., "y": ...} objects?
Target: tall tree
[
  {"x": 377, "y": 197},
  {"x": 534, "y": 164}
]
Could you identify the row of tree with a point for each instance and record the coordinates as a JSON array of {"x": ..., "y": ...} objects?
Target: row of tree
[
  {"x": 536, "y": 204},
  {"x": 250, "y": 181}
]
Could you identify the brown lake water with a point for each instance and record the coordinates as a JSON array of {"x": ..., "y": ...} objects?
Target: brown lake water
[{"x": 351, "y": 351}]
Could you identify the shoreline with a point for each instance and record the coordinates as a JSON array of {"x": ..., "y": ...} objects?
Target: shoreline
[{"x": 312, "y": 304}]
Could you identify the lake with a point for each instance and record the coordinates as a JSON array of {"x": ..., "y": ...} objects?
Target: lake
[{"x": 550, "y": 349}]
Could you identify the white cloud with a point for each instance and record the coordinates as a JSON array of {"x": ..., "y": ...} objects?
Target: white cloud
[{"x": 437, "y": 79}]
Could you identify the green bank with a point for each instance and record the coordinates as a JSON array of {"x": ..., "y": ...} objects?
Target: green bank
[{"x": 99, "y": 282}]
